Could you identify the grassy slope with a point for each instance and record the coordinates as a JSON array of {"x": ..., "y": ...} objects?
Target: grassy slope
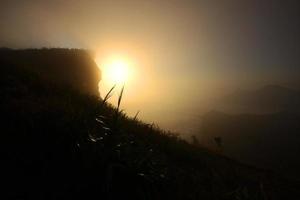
[{"x": 57, "y": 143}]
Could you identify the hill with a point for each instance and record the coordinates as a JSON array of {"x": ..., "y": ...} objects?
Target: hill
[
  {"x": 58, "y": 143},
  {"x": 268, "y": 99},
  {"x": 70, "y": 67},
  {"x": 266, "y": 140}
]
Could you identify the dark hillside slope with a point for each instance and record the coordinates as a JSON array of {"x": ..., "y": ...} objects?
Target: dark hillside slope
[{"x": 57, "y": 143}]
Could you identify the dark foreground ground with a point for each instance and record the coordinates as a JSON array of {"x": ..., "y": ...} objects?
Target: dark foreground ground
[{"x": 59, "y": 144}]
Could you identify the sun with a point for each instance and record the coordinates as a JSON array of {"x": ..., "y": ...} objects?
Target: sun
[
  {"x": 118, "y": 71},
  {"x": 115, "y": 70}
]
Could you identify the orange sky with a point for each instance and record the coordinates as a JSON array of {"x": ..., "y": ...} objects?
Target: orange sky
[{"x": 184, "y": 52}]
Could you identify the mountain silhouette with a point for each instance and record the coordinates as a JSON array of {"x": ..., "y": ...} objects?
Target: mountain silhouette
[
  {"x": 265, "y": 140},
  {"x": 60, "y": 142},
  {"x": 268, "y": 99}
]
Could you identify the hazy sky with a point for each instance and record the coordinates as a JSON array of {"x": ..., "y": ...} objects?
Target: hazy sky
[{"x": 182, "y": 49}]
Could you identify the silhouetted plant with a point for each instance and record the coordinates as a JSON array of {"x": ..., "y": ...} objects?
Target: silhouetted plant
[
  {"x": 108, "y": 95},
  {"x": 118, "y": 112},
  {"x": 136, "y": 115},
  {"x": 120, "y": 98}
]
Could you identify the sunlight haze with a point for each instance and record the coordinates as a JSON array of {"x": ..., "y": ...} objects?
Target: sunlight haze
[{"x": 173, "y": 57}]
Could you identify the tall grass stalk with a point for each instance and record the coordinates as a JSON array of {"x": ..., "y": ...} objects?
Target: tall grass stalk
[
  {"x": 136, "y": 115},
  {"x": 118, "y": 111},
  {"x": 120, "y": 99},
  {"x": 108, "y": 95}
]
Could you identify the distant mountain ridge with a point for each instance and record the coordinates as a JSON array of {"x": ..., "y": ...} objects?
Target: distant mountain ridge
[
  {"x": 268, "y": 99},
  {"x": 265, "y": 140}
]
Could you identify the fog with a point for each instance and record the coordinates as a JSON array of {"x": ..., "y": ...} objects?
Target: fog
[{"x": 185, "y": 54}]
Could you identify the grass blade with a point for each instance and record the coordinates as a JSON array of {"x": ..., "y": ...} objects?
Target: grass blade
[
  {"x": 108, "y": 95},
  {"x": 137, "y": 113},
  {"x": 120, "y": 98}
]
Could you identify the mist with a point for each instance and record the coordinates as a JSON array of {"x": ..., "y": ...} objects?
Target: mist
[
  {"x": 186, "y": 54},
  {"x": 150, "y": 99}
]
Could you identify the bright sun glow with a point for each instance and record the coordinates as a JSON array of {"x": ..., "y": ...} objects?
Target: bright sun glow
[
  {"x": 118, "y": 71},
  {"x": 115, "y": 70}
]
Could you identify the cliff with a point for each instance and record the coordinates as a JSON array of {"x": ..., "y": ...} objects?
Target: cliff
[{"x": 73, "y": 68}]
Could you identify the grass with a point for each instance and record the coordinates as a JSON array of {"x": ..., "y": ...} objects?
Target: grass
[
  {"x": 136, "y": 115},
  {"x": 108, "y": 95},
  {"x": 72, "y": 145}
]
